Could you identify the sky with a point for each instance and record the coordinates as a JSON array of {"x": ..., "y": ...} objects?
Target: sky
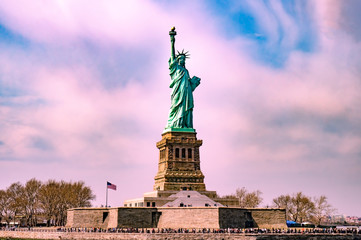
[{"x": 84, "y": 94}]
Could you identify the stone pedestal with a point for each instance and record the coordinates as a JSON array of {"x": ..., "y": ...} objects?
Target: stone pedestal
[
  {"x": 179, "y": 163},
  {"x": 178, "y": 170}
]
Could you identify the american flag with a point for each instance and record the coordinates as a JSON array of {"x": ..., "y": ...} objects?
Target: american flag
[{"x": 111, "y": 186}]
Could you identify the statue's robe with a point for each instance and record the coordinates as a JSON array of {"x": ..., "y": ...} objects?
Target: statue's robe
[{"x": 181, "y": 110}]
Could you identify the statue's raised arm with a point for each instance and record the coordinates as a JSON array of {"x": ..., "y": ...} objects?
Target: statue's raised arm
[{"x": 172, "y": 34}]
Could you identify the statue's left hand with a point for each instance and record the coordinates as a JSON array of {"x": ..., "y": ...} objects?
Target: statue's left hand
[{"x": 196, "y": 79}]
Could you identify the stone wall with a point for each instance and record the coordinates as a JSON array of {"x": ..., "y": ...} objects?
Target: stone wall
[
  {"x": 70, "y": 217},
  {"x": 183, "y": 217},
  {"x": 113, "y": 218},
  {"x": 269, "y": 217},
  {"x": 188, "y": 217},
  {"x": 177, "y": 236},
  {"x": 138, "y": 217},
  {"x": 232, "y": 217},
  {"x": 88, "y": 217}
]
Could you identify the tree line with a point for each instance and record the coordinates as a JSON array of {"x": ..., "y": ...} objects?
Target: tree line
[
  {"x": 299, "y": 207},
  {"x": 50, "y": 200}
]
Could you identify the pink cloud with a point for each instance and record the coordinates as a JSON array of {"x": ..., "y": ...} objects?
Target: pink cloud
[{"x": 110, "y": 21}]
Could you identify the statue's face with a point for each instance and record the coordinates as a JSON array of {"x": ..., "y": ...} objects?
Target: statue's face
[{"x": 182, "y": 60}]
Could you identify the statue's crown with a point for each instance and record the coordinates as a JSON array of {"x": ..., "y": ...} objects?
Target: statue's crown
[{"x": 185, "y": 54}]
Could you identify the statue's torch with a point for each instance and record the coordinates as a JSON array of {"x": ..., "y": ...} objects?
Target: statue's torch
[{"x": 172, "y": 32}]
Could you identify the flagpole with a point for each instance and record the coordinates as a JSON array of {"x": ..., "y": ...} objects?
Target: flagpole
[{"x": 106, "y": 203}]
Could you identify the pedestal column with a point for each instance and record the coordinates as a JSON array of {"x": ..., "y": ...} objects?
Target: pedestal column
[{"x": 179, "y": 163}]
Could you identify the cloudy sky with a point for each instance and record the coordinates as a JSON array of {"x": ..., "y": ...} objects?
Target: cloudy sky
[{"x": 84, "y": 94}]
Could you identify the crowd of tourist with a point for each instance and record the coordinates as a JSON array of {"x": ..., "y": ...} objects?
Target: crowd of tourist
[{"x": 349, "y": 230}]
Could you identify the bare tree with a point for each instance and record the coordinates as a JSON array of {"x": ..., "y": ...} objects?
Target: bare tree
[
  {"x": 57, "y": 197},
  {"x": 284, "y": 201},
  {"x": 49, "y": 197},
  {"x": 31, "y": 197},
  {"x": 5, "y": 206},
  {"x": 15, "y": 194},
  {"x": 322, "y": 209},
  {"x": 299, "y": 207},
  {"x": 82, "y": 194},
  {"x": 303, "y": 207},
  {"x": 74, "y": 195},
  {"x": 248, "y": 199}
]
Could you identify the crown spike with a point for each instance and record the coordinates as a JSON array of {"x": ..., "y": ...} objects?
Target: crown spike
[{"x": 183, "y": 53}]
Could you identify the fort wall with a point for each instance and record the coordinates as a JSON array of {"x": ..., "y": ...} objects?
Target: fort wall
[
  {"x": 269, "y": 217},
  {"x": 88, "y": 217},
  {"x": 189, "y": 218},
  {"x": 137, "y": 217},
  {"x": 176, "y": 217},
  {"x": 233, "y": 218}
]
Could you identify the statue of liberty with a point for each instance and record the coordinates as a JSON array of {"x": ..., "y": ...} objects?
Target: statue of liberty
[{"x": 181, "y": 110}]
